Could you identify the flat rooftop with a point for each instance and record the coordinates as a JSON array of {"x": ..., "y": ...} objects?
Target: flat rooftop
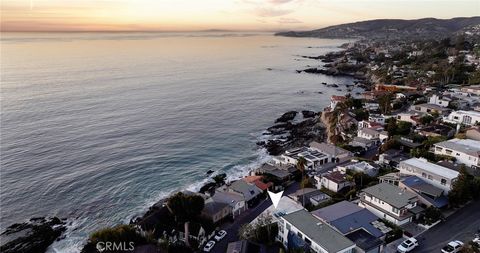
[{"x": 432, "y": 168}]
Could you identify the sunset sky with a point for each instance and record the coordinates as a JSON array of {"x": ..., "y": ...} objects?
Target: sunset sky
[{"x": 182, "y": 15}]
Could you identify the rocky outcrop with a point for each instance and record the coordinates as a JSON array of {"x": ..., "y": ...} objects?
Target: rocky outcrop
[
  {"x": 288, "y": 134},
  {"x": 34, "y": 236},
  {"x": 288, "y": 116}
]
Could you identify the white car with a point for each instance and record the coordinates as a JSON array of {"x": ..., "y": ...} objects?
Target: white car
[
  {"x": 453, "y": 247},
  {"x": 407, "y": 245},
  {"x": 209, "y": 246},
  {"x": 219, "y": 236}
]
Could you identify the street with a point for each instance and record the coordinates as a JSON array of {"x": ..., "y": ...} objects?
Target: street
[
  {"x": 246, "y": 217},
  {"x": 461, "y": 225}
]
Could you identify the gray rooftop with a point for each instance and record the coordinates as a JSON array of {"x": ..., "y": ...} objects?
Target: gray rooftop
[
  {"x": 471, "y": 147},
  {"x": 390, "y": 194},
  {"x": 318, "y": 231},
  {"x": 335, "y": 211},
  {"x": 249, "y": 191},
  {"x": 329, "y": 149}
]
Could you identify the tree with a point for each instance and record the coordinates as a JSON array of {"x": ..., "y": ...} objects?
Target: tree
[
  {"x": 385, "y": 103},
  {"x": 125, "y": 235},
  {"x": 464, "y": 188},
  {"x": 301, "y": 162},
  {"x": 185, "y": 208}
]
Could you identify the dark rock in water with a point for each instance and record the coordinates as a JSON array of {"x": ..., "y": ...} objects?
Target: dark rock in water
[
  {"x": 308, "y": 114},
  {"x": 260, "y": 143},
  {"x": 319, "y": 92},
  {"x": 333, "y": 85},
  {"x": 274, "y": 147},
  {"x": 287, "y": 116},
  {"x": 269, "y": 69},
  {"x": 298, "y": 71},
  {"x": 208, "y": 187},
  {"x": 33, "y": 236},
  {"x": 209, "y": 172}
]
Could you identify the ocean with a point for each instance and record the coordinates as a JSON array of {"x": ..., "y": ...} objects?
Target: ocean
[{"x": 96, "y": 127}]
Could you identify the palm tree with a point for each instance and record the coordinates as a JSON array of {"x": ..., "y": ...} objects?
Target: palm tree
[{"x": 301, "y": 167}]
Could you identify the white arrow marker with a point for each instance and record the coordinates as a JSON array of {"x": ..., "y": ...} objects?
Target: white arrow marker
[{"x": 275, "y": 197}]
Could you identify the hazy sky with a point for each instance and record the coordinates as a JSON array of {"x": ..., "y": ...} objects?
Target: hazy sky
[{"x": 35, "y": 15}]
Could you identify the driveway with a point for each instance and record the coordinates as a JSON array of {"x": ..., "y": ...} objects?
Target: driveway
[{"x": 246, "y": 217}]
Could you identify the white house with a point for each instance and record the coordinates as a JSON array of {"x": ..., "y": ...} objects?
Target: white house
[
  {"x": 433, "y": 174},
  {"x": 439, "y": 100},
  {"x": 372, "y": 134},
  {"x": 301, "y": 229},
  {"x": 235, "y": 200},
  {"x": 335, "y": 181},
  {"x": 464, "y": 150},
  {"x": 363, "y": 167},
  {"x": 336, "y": 154},
  {"x": 389, "y": 202},
  {"x": 463, "y": 117},
  {"x": 314, "y": 157}
]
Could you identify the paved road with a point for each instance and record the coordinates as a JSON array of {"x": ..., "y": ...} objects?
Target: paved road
[
  {"x": 246, "y": 217},
  {"x": 461, "y": 225}
]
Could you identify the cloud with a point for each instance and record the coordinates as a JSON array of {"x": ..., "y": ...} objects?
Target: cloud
[
  {"x": 271, "y": 12},
  {"x": 284, "y": 20},
  {"x": 280, "y": 1}
]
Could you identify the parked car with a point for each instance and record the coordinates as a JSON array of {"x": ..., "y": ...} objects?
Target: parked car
[
  {"x": 209, "y": 246},
  {"x": 407, "y": 245},
  {"x": 453, "y": 247},
  {"x": 219, "y": 236}
]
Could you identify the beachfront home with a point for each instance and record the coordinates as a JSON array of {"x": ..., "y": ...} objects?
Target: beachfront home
[
  {"x": 390, "y": 202},
  {"x": 216, "y": 211},
  {"x": 250, "y": 192},
  {"x": 302, "y": 230},
  {"x": 235, "y": 200},
  {"x": 469, "y": 118},
  {"x": 463, "y": 150},
  {"x": 336, "y": 154},
  {"x": 434, "y": 174},
  {"x": 335, "y": 181},
  {"x": 258, "y": 181},
  {"x": 427, "y": 194},
  {"x": 314, "y": 158},
  {"x": 280, "y": 174}
]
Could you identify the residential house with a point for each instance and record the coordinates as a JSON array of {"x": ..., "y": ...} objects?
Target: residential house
[
  {"x": 468, "y": 118},
  {"x": 335, "y": 181},
  {"x": 434, "y": 174},
  {"x": 301, "y": 229},
  {"x": 464, "y": 150},
  {"x": 196, "y": 232},
  {"x": 411, "y": 116},
  {"x": 309, "y": 196},
  {"x": 258, "y": 181},
  {"x": 370, "y": 124},
  {"x": 334, "y": 100},
  {"x": 473, "y": 133},
  {"x": 235, "y": 200},
  {"x": 216, "y": 211},
  {"x": 473, "y": 90},
  {"x": 439, "y": 100},
  {"x": 314, "y": 158},
  {"x": 372, "y": 134},
  {"x": 430, "y": 108},
  {"x": 362, "y": 142},
  {"x": 250, "y": 192},
  {"x": 435, "y": 130},
  {"x": 358, "y": 224},
  {"x": 392, "y": 157},
  {"x": 244, "y": 246},
  {"x": 363, "y": 167},
  {"x": 281, "y": 174},
  {"x": 336, "y": 154},
  {"x": 427, "y": 194},
  {"x": 389, "y": 202}
]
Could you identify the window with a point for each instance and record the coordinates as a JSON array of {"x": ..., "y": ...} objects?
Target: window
[
  {"x": 457, "y": 154},
  {"x": 424, "y": 174},
  {"x": 430, "y": 177},
  {"x": 443, "y": 181},
  {"x": 289, "y": 227},
  {"x": 448, "y": 151}
]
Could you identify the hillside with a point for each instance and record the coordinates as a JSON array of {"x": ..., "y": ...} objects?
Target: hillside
[{"x": 394, "y": 28}]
